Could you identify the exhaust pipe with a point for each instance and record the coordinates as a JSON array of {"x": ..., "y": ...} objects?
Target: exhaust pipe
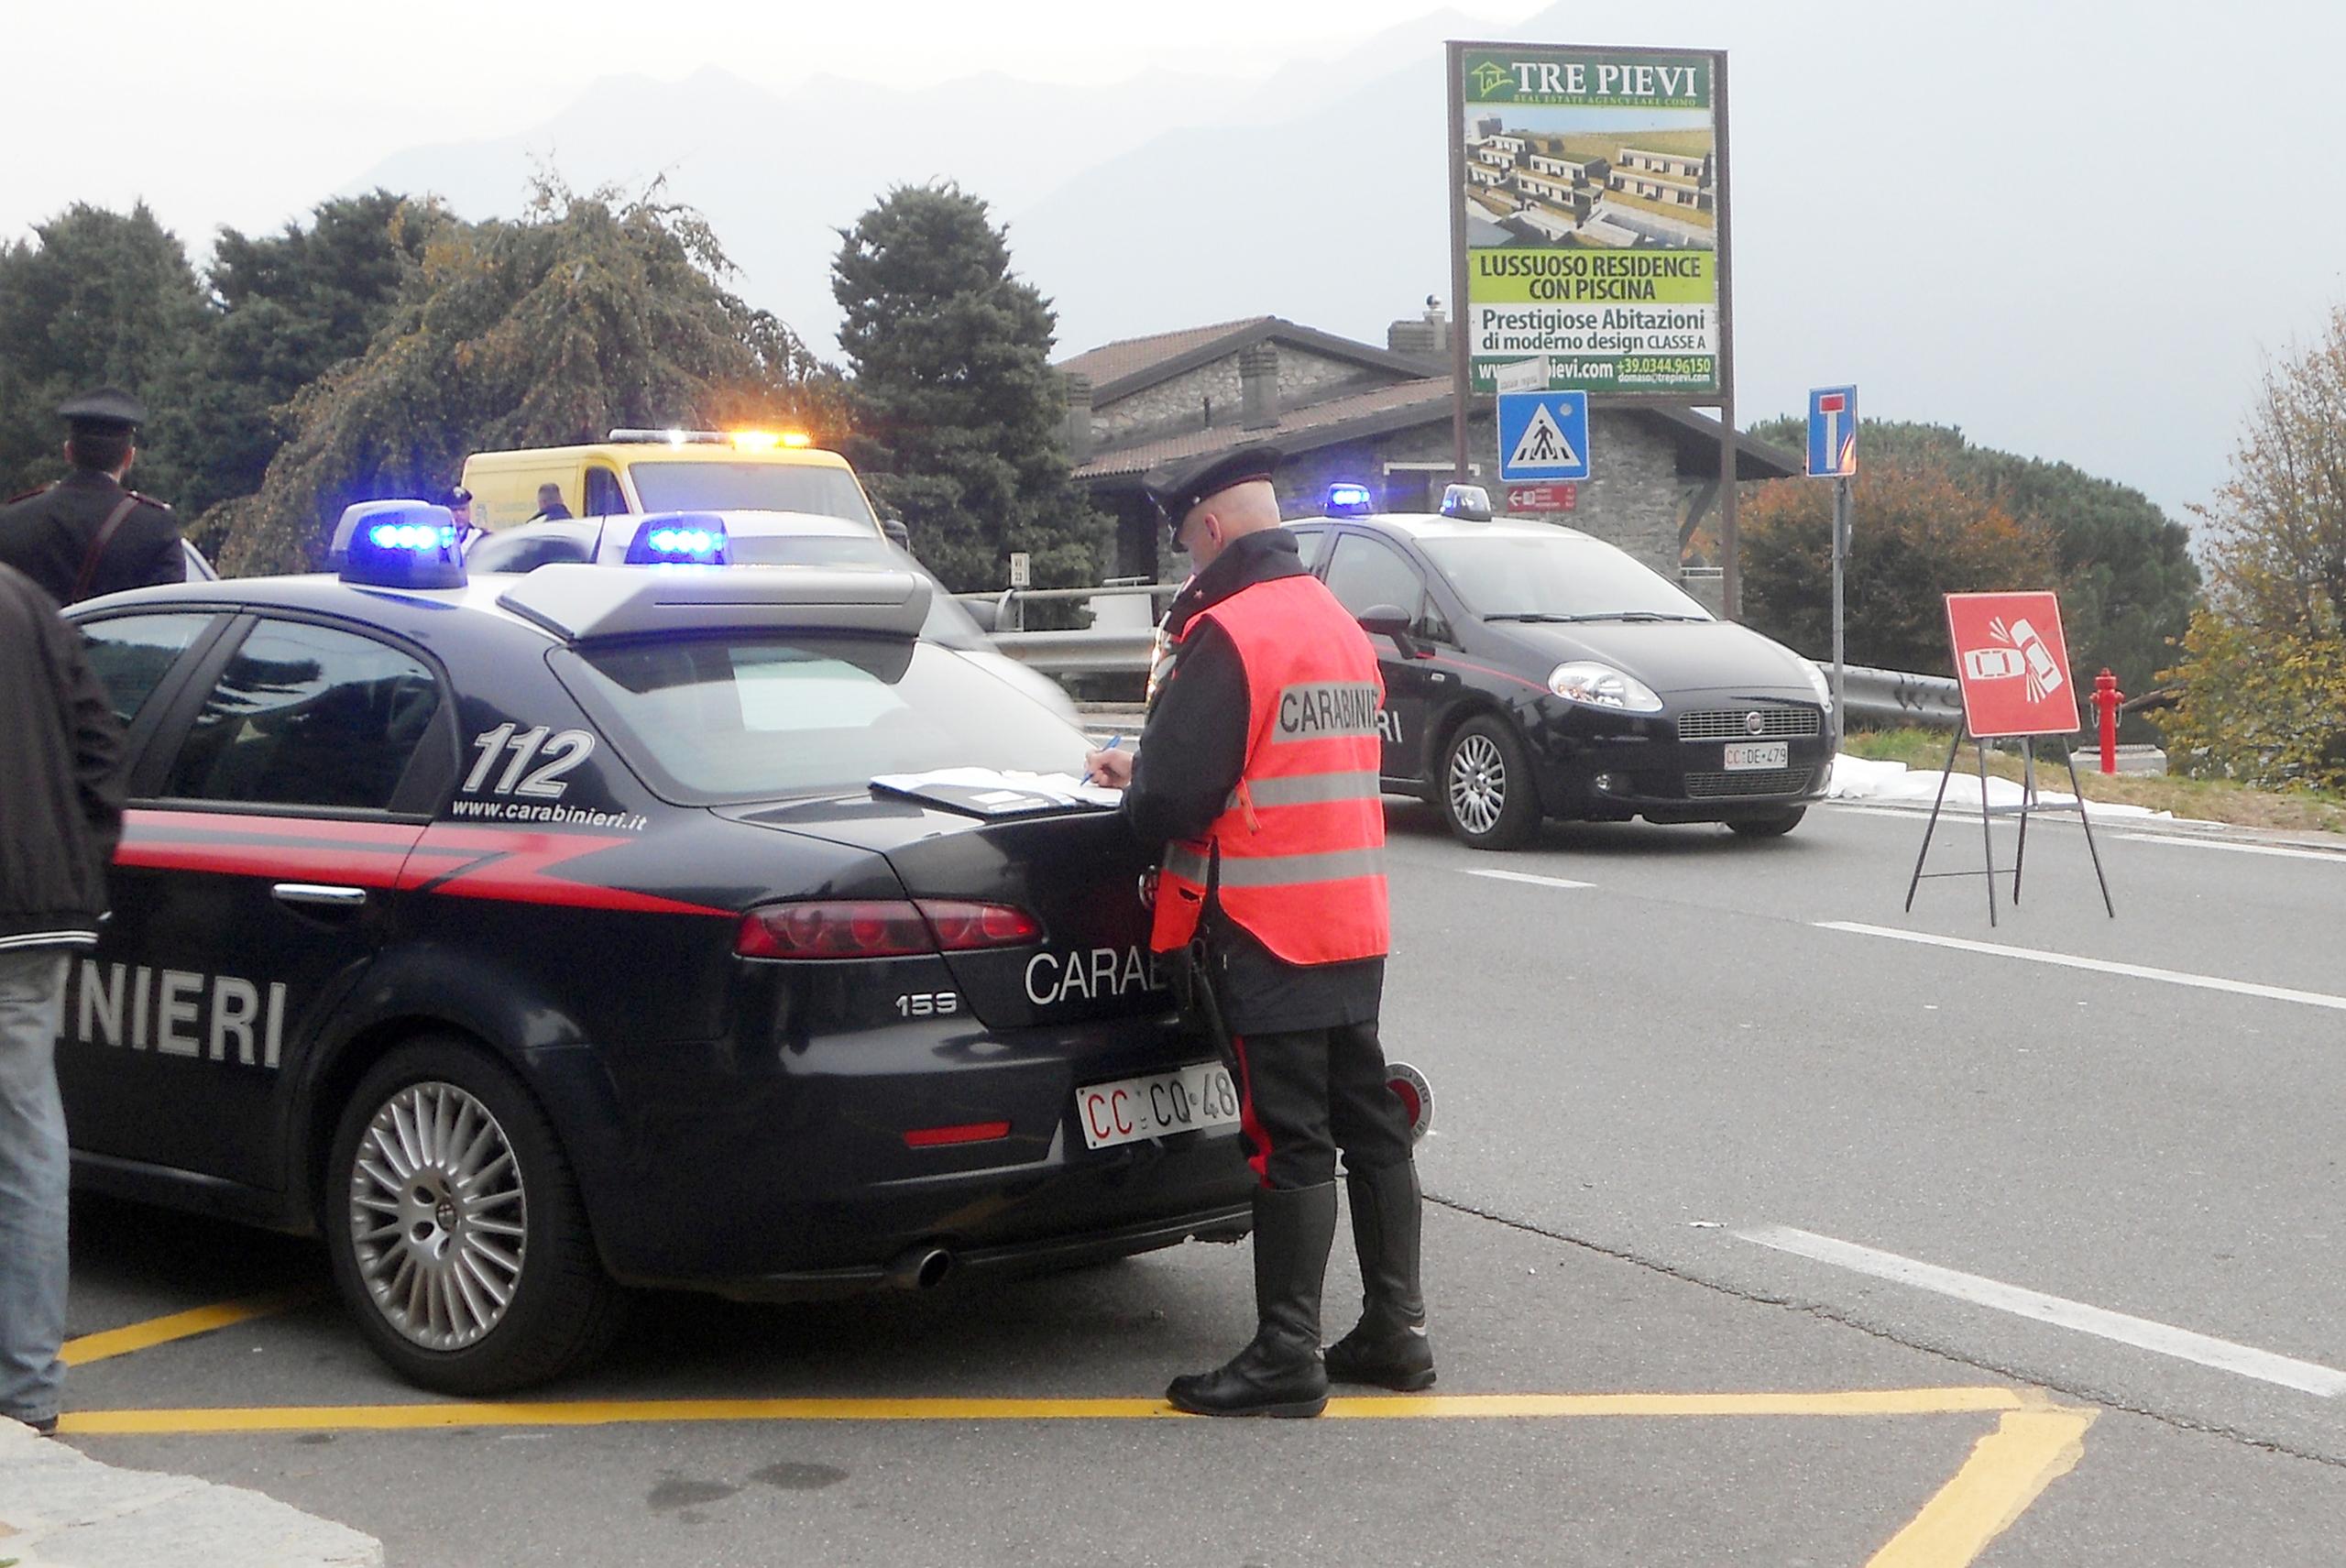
[{"x": 922, "y": 1267}]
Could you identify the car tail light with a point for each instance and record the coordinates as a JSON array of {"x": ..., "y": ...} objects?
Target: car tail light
[
  {"x": 961, "y": 927},
  {"x": 880, "y": 929}
]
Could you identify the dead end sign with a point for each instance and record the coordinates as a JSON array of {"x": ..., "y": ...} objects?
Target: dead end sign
[{"x": 2014, "y": 664}]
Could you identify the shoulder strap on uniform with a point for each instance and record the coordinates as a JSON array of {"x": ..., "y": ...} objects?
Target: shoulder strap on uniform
[
  {"x": 89, "y": 572},
  {"x": 27, "y": 495},
  {"x": 147, "y": 500}
]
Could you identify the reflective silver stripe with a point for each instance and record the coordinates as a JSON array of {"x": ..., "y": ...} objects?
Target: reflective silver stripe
[
  {"x": 1290, "y": 871},
  {"x": 1308, "y": 789},
  {"x": 1325, "y": 710},
  {"x": 1182, "y": 861}
]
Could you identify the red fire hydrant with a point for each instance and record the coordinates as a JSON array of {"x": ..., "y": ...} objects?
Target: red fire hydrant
[{"x": 2107, "y": 697}]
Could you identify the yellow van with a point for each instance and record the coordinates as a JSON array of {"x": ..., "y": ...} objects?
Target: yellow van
[{"x": 665, "y": 470}]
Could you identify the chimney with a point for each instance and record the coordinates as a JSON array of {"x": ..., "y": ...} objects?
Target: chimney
[
  {"x": 1427, "y": 337},
  {"x": 1076, "y": 428},
  {"x": 1258, "y": 386}
]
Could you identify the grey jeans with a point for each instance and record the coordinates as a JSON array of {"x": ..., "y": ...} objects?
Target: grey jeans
[{"x": 33, "y": 1178}]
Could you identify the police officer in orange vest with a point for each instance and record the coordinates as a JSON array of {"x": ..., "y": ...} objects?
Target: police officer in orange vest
[{"x": 1257, "y": 769}]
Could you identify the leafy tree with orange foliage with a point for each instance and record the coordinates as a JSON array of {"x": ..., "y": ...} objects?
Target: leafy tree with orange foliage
[
  {"x": 1924, "y": 537},
  {"x": 2263, "y": 669}
]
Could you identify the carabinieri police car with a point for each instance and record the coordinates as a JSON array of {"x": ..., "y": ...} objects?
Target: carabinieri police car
[
  {"x": 1531, "y": 671},
  {"x": 529, "y": 936}
]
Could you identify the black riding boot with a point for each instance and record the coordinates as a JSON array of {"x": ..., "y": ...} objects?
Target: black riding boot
[
  {"x": 1388, "y": 1347},
  {"x": 1279, "y": 1373}
]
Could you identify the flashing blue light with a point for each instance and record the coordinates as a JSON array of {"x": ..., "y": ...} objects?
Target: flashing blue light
[
  {"x": 1349, "y": 500},
  {"x": 678, "y": 538},
  {"x": 398, "y": 545},
  {"x": 410, "y": 536}
]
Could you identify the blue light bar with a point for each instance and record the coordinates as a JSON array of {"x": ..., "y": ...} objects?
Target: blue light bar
[
  {"x": 675, "y": 538},
  {"x": 1349, "y": 500},
  {"x": 1469, "y": 503},
  {"x": 410, "y": 536},
  {"x": 398, "y": 545}
]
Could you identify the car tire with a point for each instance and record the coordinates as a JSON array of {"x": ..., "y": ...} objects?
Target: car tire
[
  {"x": 1486, "y": 788},
  {"x": 471, "y": 1270},
  {"x": 1775, "y": 824}
]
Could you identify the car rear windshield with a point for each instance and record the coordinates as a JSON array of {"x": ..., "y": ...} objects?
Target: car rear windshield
[
  {"x": 751, "y": 486},
  {"x": 1514, "y": 573},
  {"x": 717, "y": 719}
]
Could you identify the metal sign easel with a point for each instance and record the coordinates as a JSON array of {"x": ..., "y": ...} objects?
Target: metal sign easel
[
  {"x": 2011, "y": 661},
  {"x": 2030, "y": 804}
]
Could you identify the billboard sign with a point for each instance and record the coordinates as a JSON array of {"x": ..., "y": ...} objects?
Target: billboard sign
[
  {"x": 2014, "y": 664},
  {"x": 1588, "y": 207}
]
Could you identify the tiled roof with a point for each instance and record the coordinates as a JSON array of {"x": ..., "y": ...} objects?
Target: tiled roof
[
  {"x": 1131, "y": 355},
  {"x": 1314, "y": 419},
  {"x": 1399, "y": 406}
]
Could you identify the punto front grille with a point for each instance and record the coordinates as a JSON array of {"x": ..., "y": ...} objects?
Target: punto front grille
[
  {"x": 1754, "y": 781},
  {"x": 1735, "y": 724}
]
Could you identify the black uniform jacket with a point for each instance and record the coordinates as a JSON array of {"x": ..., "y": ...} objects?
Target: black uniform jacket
[
  {"x": 1192, "y": 750},
  {"x": 61, "y": 776},
  {"x": 47, "y": 536}
]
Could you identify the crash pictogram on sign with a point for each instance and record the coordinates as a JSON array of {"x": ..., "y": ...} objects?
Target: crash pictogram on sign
[{"x": 2013, "y": 664}]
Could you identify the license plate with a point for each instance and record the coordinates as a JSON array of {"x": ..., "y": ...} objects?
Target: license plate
[
  {"x": 1191, "y": 1100},
  {"x": 1748, "y": 754}
]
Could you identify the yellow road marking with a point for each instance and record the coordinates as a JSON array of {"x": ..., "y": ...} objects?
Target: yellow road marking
[
  {"x": 2007, "y": 1470},
  {"x": 180, "y": 1325},
  {"x": 612, "y": 1413},
  {"x": 2035, "y": 1444}
]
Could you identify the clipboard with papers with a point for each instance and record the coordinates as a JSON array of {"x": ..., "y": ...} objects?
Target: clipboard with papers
[{"x": 993, "y": 793}]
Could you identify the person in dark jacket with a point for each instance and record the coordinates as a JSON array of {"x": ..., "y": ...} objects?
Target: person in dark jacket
[
  {"x": 1273, "y": 876},
  {"x": 87, "y": 536},
  {"x": 549, "y": 506},
  {"x": 61, "y": 813}
]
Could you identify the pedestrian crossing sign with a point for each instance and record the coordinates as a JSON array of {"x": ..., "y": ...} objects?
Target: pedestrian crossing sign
[{"x": 1542, "y": 436}]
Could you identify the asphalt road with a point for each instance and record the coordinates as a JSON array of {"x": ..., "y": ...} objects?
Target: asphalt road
[{"x": 1649, "y": 1088}]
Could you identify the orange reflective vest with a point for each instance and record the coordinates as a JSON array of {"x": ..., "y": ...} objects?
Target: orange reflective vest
[{"x": 1301, "y": 843}]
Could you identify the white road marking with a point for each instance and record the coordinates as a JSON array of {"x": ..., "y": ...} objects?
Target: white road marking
[
  {"x": 2162, "y": 1339},
  {"x": 2100, "y": 966},
  {"x": 2333, "y": 856},
  {"x": 1525, "y": 877}
]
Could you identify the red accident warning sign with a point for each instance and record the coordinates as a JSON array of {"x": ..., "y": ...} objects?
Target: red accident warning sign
[{"x": 2013, "y": 662}]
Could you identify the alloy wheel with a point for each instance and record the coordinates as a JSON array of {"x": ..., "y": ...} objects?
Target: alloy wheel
[
  {"x": 1477, "y": 783},
  {"x": 438, "y": 1217}
]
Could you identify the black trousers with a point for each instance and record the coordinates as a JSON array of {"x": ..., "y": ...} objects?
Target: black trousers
[{"x": 1305, "y": 1094}]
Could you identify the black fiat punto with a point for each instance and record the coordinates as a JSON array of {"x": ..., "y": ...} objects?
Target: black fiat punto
[{"x": 1532, "y": 671}]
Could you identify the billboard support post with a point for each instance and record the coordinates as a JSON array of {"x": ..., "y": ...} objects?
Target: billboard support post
[
  {"x": 1730, "y": 533},
  {"x": 1460, "y": 367}
]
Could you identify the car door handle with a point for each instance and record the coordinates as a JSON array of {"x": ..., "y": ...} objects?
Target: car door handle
[{"x": 322, "y": 894}]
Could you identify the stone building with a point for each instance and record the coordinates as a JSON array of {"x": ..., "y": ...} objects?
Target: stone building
[{"x": 1343, "y": 410}]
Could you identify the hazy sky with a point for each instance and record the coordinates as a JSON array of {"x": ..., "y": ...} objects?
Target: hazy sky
[
  {"x": 2076, "y": 227},
  {"x": 247, "y": 112}
]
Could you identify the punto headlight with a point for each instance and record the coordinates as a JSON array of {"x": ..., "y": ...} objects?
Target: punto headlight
[
  {"x": 1819, "y": 682},
  {"x": 1601, "y": 685}
]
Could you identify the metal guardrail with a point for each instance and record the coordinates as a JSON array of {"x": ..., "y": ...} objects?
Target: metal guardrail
[
  {"x": 1899, "y": 696},
  {"x": 1080, "y": 653},
  {"x": 1873, "y": 697}
]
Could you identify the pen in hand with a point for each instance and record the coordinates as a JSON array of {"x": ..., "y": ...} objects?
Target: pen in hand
[{"x": 1113, "y": 741}]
